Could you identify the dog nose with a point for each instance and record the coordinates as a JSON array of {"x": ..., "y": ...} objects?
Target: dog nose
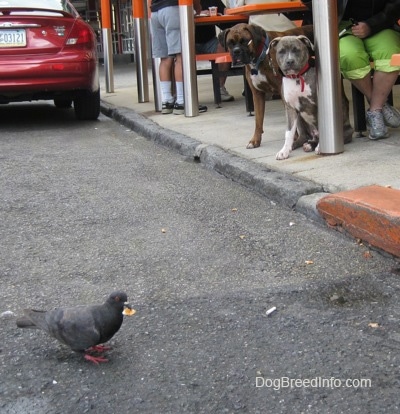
[{"x": 236, "y": 51}]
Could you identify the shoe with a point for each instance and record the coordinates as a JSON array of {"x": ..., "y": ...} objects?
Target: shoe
[
  {"x": 167, "y": 107},
  {"x": 376, "y": 123},
  {"x": 179, "y": 109},
  {"x": 391, "y": 116},
  {"x": 225, "y": 96}
]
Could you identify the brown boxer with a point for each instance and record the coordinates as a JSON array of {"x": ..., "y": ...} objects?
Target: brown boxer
[{"x": 248, "y": 45}]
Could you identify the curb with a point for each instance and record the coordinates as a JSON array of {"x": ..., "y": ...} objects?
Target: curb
[
  {"x": 371, "y": 214},
  {"x": 303, "y": 196},
  {"x": 284, "y": 189}
]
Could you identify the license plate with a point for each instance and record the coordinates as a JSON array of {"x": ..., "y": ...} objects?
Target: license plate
[{"x": 12, "y": 38}]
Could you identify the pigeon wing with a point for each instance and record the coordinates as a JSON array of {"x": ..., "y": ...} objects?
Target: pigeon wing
[{"x": 75, "y": 327}]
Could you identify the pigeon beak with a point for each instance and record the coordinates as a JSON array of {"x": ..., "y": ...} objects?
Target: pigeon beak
[{"x": 128, "y": 310}]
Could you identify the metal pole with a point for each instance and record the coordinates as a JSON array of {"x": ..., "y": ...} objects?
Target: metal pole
[
  {"x": 330, "y": 117},
  {"x": 186, "y": 14},
  {"x": 140, "y": 30},
  {"x": 107, "y": 45},
  {"x": 156, "y": 84}
]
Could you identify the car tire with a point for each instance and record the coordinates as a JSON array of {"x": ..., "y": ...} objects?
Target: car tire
[
  {"x": 87, "y": 105},
  {"x": 63, "y": 103}
]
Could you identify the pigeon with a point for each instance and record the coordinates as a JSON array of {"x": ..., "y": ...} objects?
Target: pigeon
[{"x": 82, "y": 328}]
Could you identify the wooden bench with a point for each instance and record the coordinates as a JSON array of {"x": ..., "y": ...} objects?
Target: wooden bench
[{"x": 224, "y": 57}]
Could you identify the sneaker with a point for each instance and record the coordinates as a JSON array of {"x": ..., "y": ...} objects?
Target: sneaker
[
  {"x": 391, "y": 116},
  {"x": 167, "y": 107},
  {"x": 225, "y": 96},
  {"x": 179, "y": 109},
  {"x": 376, "y": 123}
]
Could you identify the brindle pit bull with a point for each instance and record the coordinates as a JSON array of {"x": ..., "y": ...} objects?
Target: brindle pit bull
[{"x": 248, "y": 45}]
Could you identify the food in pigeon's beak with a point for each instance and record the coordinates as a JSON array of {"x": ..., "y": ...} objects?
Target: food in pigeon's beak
[{"x": 128, "y": 311}]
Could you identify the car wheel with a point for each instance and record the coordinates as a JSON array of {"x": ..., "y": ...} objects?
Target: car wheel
[
  {"x": 87, "y": 105},
  {"x": 63, "y": 103}
]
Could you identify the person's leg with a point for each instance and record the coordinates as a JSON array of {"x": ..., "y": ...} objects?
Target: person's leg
[
  {"x": 165, "y": 71},
  {"x": 381, "y": 47},
  {"x": 355, "y": 57},
  {"x": 178, "y": 71},
  {"x": 355, "y": 64},
  {"x": 364, "y": 85},
  {"x": 383, "y": 83},
  {"x": 213, "y": 46},
  {"x": 173, "y": 37},
  {"x": 160, "y": 50}
]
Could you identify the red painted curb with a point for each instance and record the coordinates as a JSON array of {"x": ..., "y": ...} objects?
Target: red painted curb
[{"x": 371, "y": 214}]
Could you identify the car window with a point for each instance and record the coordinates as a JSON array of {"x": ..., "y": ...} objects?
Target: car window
[{"x": 63, "y": 5}]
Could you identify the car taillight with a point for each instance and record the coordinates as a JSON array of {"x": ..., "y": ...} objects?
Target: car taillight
[{"x": 80, "y": 36}]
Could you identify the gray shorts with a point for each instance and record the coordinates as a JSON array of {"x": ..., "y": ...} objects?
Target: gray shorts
[
  {"x": 209, "y": 47},
  {"x": 165, "y": 32}
]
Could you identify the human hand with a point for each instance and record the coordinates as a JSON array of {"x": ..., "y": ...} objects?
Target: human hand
[{"x": 361, "y": 30}]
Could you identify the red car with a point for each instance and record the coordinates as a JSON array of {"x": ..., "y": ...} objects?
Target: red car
[{"x": 47, "y": 52}]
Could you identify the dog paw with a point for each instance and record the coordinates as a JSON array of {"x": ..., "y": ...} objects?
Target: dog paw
[
  {"x": 307, "y": 147},
  {"x": 317, "y": 150},
  {"x": 252, "y": 145},
  {"x": 282, "y": 155}
]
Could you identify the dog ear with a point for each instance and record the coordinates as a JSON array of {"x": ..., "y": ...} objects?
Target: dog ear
[
  {"x": 222, "y": 38},
  {"x": 306, "y": 41},
  {"x": 272, "y": 44},
  {"x": 257, "y": 33}
]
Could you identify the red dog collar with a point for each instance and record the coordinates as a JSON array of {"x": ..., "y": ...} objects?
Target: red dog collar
[{"x": 299, "y": 75}]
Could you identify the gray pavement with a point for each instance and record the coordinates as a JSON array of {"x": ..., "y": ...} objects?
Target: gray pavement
[
  {"x": 220, "y": 135},
  {"x": 90, "y": 207}
]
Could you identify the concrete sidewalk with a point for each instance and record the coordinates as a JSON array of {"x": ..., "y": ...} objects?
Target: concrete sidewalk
[{"x": 219, "y": 137}]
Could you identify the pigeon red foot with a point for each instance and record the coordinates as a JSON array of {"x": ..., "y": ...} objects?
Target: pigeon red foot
[
  {"x": 95, "y": 359},
  {"x": 99, "y": 349}
]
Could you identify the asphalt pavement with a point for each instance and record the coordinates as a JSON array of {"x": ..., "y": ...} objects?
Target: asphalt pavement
[
  {"x": 218, "y": 138},
  {"x": 91, "y": 207}
]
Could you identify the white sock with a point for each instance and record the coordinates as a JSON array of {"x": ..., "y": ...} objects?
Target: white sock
[
  {"x": 166, "y": 91},
  {"x": 179, "y": 93}
]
